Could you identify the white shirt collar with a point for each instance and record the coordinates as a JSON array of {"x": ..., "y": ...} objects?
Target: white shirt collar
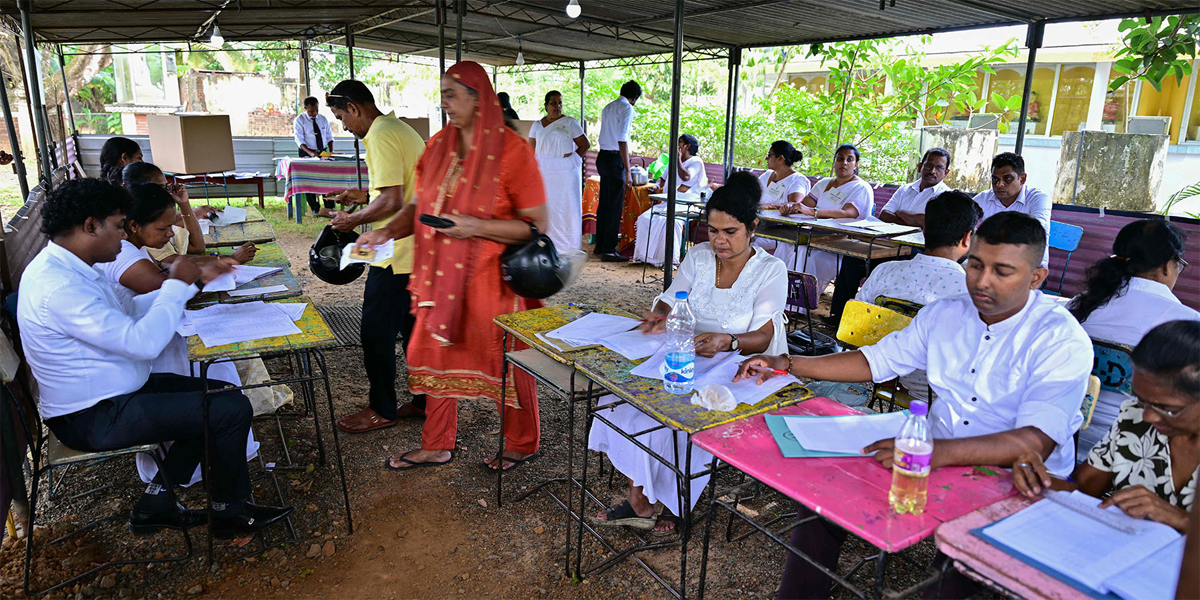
[
  {"x": 1150, "y": 286},
  {"x": 1016, "y": 319},
  {"x": 69, "y": 259},
  {"x": 937, "y": 261}
]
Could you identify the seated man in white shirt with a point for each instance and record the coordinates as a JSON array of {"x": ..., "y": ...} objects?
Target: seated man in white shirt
[
  {"x": 1009, "y": 366},
  {"x": 1009, "y": 192},
  {"x": 651, "y": 226},
  {"x": 907, "y": 205},
  {"x": 91, "y": 359},
  {"x": 933, "y": 275}
]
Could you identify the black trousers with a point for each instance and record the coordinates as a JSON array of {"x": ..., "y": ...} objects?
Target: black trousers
[
  {"x": 612, "y": 200},
  {"x": 313, "y": 199},
  {"x": 170, "y": 408},
  {"x": 822, "y": 541},
  {"x": 385, "y": 315}
]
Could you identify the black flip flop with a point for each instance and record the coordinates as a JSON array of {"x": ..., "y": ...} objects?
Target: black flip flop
[
  {"x": 668, "y": 517},
  {"x": 387, "y": 463},
  {"x": 516, "y": 462},
  {"x": 622, "y": 515}
]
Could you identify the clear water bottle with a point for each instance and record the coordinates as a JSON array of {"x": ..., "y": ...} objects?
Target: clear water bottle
[
  {"x": 680, "y": 365},
  {"x": 911, "y": 463}
]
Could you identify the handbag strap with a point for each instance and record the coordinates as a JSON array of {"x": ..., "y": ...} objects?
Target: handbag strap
[{"x": 532, "y": 227}]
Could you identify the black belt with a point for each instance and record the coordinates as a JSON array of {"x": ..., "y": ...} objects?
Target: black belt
[{"x": 610, "y": 152}]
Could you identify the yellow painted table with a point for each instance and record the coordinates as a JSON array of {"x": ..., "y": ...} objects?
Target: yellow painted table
[
  {"x": 306, "y": 349},
  {"x": 259, "y": 232},
  {"x": 270, "y": 254},
  {"x": 284, "y": 277}
]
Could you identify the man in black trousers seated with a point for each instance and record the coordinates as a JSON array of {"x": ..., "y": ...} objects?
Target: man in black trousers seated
[{"x": 91, "y": 358}]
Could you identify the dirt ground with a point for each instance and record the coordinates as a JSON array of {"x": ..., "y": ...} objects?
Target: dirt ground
[{"x": 433, "y": 533}]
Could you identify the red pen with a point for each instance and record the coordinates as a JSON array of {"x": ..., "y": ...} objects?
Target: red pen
[{"x": 769, "y": 370}]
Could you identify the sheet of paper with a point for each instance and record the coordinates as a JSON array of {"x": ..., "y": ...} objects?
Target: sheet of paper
[
  {"x": 230, "y": 215},
  {"x": 258, "y": 291},
  {"x": 747, "y": 391},
  {"x": 1076, "y": 545},
  {"x": 294, "y": 310},
  {"x": 222, "y": 283},
  {"x": 222, "y": 324},
  {"x": 850, "y": 433},
  {"x": 775, "y": 214},
  {"x": 652, "y": 368},
  {"x": 243, "y": 274},
  {"x": 204, "y": 225},
  {"x": 592, "y": 328},
  {"x": 634, "y": 344},
  {"x": 375, "y": 254},
  {"x": 879, "y": 226},
  {"x": 556, "y": 344},
  {"x": 1153, "y": 577}
]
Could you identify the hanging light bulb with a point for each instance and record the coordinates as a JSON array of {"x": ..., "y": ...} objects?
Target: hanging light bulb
[
  {"x": 573, "y": 9},
  {"x": 520, "y": 54},
  {"x": 217, "y": 39}
]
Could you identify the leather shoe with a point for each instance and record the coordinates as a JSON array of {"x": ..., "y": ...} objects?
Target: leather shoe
[
  {"x": 146, "y": 522},
  {"x": 613, "y": 257},
  {"x": 363, "y": 421},
  {"x": 251, "y": 518},
  {"x": 408, "y": 410}
]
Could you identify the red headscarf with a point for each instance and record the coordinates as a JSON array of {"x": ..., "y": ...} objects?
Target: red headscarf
[{"x": 445, "y": 262}]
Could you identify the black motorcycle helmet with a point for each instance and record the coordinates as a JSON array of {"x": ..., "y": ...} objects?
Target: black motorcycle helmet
[
  {"x": 326, "y": 254},
  {"x": 532, "y": 269}
]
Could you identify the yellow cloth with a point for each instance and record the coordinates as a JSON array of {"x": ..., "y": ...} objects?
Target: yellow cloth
[
  {"x": 392, "y": 152},
  {"x": 177, "y": 245}
]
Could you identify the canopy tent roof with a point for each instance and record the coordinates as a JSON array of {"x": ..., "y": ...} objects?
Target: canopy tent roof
[{"x": 494, "y": 30}]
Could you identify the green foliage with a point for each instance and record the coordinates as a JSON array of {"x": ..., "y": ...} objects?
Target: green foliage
[
  {"x": 1191, "y": 191},
  {"x": 1156, "y": 48}
]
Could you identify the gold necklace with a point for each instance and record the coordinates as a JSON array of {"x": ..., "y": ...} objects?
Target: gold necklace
[{"x": 718, "y": 272}]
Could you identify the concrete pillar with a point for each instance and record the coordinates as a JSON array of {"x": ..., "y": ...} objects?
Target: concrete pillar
[{"x": 1099, "y": 89}]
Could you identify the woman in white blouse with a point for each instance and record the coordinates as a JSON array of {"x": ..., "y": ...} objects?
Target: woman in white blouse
[
  {"x": 1127, "y": 295},
  {"x": 651, "y": 233},
  {"x": 560, "y": 145},
  {"x": 782, "y": 185},
  {"x": 737, "y": 293},
  {"x": 843, "y": 196}
]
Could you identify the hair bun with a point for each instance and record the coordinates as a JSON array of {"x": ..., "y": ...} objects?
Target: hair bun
[{"x": 797, "y": 156}]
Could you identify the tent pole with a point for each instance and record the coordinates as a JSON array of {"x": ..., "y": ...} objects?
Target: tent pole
[
  {"x": 441, "y": 23},
  {"x": 357, "y": 149},
  {"x": 62, "y": 68},
  {"x": 35, "y": 93},
  {"x": 1033, "y": 40},
  {"x": 582, "y": 97},
  {"x": 735, "y": 67},
  {"x": 672, "y": 152},
  {"x": 304, "y": 64},
  {"x": 459, "y": 5},
  {"x": 13, "y": 140}
]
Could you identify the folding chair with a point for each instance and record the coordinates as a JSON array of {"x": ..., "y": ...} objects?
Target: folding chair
[
  {"x": 903, "y": 307},
  {"x": 802, "y": 297},
  {"x": 865, "y": 324},
  {"x": 1066, "y": 238},
  {"x": 1112, "y": 370}
]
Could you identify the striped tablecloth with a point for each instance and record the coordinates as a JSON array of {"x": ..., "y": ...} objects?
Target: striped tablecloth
[{"x": 315, "y": 176}]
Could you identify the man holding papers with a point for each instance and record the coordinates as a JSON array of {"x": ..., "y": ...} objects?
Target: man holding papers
[
  {"x": 1008, "y": 364},
  {"x": 392, "y": 152},
  {"x": 91, "y": 359}
]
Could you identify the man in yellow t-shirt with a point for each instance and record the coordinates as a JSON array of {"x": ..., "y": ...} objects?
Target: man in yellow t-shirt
[{"x": 392, "y": 152}]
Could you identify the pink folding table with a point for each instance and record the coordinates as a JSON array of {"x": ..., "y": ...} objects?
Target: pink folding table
[{"x": 850, "y": 491}]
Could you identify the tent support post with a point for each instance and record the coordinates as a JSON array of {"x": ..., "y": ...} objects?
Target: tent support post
[
  {"x": 673, "y": 167},
  {"x": 35, "y": 93},
  {"x": 1033, "y": 41},
  {"x": 735, "y": 68}
]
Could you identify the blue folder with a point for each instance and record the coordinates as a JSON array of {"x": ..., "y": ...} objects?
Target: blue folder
[{"x": 787, "y": 442}]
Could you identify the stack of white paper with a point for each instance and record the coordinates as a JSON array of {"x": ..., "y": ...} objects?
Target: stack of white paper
[
  {"x": 719, "y": 369},
  {"x": 847, "y": 434},
  {"x": 1085, "y": 549},
  {"x": 230, "y": 215},
  {"x": 240, "y": 275},
  {"x": 634, "y": 344},
  {"x": 591, "y": 329},
  {"x": 374, "y": 254},
  {"x": 652, "y": 368},
  {"x": 222, "y": 324},
  {"x": 880, "y": 226}
]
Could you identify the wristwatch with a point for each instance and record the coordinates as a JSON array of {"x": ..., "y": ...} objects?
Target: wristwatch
[{"x": 733, "y": 346}]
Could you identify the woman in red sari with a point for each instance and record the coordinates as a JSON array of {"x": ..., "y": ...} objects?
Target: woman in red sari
[{"x": 482, "y": 176}]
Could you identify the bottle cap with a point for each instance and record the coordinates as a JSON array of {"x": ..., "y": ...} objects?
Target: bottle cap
[
  {"x": 681, "y": 295},
  {"x": 918, "y": 408}
]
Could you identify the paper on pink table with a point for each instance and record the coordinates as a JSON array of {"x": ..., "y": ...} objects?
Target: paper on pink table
[{"x": 851, "y": 491}]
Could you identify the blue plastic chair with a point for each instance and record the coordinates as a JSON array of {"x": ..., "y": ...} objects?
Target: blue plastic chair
[
  {"x": 1066, "y": 238},
  {"x": 1113, "y": 364}
]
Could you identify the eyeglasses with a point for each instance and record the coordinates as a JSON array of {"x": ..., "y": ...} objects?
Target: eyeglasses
[
  {"x": 1160, "y": 409},
  {"x": 1183, "y": 264}
]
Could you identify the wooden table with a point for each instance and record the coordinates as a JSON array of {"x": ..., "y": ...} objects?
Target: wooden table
[
  {"x": 850, "y": 491},
  {"x": 224, "y": 179},
  {"x": 270, "y": 254},
  {"x": 983, "y": 562},
  {"x": 283, "y": 277},
  {"x": 259, "y": 232}
]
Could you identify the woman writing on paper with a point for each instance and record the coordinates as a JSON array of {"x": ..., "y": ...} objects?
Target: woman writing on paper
[
  {"x": 651, "y": 231},
  {"x": 483, "y": 177},
  {"x": 737, "y": 293},
  {"x": 782, "y": 185},
  {"x": 560, "y": 145},
  {"x": 1148, "y": 462},
  {"x": 843, "y": 196}
]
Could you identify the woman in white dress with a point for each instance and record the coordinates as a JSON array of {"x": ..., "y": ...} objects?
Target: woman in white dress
[
  {"x": 843, "y": 196},
  {"x": 782, "y": 184},
  {"x": 737, "y": 293},
  {"x": 1127, "y": 295},
  {"x": 651, "y": 233},
  {"x": 560, "y": 145},
  {"x": 135, "y": 278}
]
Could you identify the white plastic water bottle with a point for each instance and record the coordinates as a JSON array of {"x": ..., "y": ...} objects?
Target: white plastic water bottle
[
  {"x": 911, "y": 462},
  {"x": 680, "y": 364}
]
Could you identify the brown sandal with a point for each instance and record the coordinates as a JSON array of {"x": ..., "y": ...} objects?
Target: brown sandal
[{"x": 363, "y": 421}]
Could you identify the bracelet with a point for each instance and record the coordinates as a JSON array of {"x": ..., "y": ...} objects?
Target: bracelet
[
  {"x": 815, "y": 209},
  {"x": 789, "y": 359},
  {"x": 186, "y": 215}
]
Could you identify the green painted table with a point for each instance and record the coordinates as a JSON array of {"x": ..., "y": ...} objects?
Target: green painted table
[
  {"x": 526, "y": 324},
  {"x": 269, "y": 254},
  {"x": 314, "y": 334},
  {"x": 284, "y": 278},
  {"x": 259, "y": 232}
]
